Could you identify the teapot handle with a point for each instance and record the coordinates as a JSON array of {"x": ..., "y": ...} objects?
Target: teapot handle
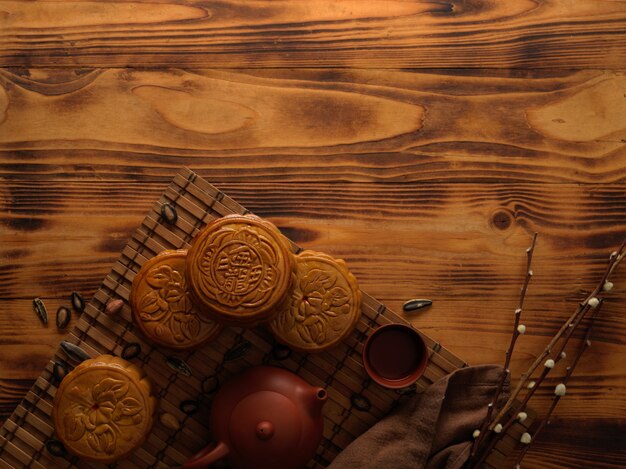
[{"x": 207, "y": 456}]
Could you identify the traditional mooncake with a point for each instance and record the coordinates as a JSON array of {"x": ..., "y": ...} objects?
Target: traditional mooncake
[
  {"x": 239, "y": 269},
  {"x": 103, "y": 409},
  {"x": 162, "y": 308},
  {"x": 324, "y": 306}
]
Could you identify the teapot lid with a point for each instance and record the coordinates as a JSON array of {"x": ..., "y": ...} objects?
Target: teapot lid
[{"x": 265, "y": 425}]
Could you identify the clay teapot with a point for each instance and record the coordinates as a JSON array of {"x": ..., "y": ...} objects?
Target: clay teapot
[{"x": 264, "y": 418}]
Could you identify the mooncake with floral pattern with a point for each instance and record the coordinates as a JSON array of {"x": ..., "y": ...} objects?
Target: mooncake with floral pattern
[
  {"x": 162, "y": 307},
  {"x": 104, "y": 409},
  {"x": 324, "y": 305}
]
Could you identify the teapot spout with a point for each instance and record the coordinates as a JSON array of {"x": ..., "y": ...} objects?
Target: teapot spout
[
  {"x": 207, "y": 456},
  {"x": 317, "y": 399}
]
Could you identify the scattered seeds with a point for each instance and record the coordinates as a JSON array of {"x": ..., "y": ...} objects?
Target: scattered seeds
[
  {"x": 280, "y": 352},
  {"x": 169, "y": 421},
  {"x": 131, "y": 351},
  {"x": 60, "y": 370},
  {"x": 189, "y": 406},
  {"x": 56, "y": 448},
  {"x": 414, "y": 305},
  {"x": 113, "y": 307},
  {"x": 77, "y": 302},
  {"x": 210, "y": 384},
  {"x": 237, "y": 351},
  {"x": 74, "y": 351},
  {"x": 41, "y": 310},
  {"x": 63, "y": 317},
  {"x": 361, "y": 403},
  {"x": 178, "y": 364},
  {"x": 168, "y": 212}
]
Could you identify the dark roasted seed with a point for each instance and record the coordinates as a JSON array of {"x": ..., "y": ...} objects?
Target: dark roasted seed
[
  {"x": 74, "y": 351},
  {"x": 189, "y": 407},
  {"x": 361, "y": 403},
  {"x": 131, "y": 351},
  {"x": 63, "y": 317},
  {"x": 210, "y": 384},
  {"x": 178, "y": 364},
  {"x": 77, "y": 302},
  {"x": 168, "y": 212},
  {"x": 113, "y": 307},
  {"x": 41, "y": 310},
  {"x": 414, "y": 305},
  {"x": 280, "y": 352},
  {"x": 56, "y": 448},
  {"x": 59, "y": 370},
  {"x": 237, "y": 351}
]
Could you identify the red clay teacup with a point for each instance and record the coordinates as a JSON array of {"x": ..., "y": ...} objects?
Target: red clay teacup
[{"x": 395, "y": 355}]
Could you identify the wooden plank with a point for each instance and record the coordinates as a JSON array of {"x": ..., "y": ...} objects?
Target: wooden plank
[
  {"x": 311, "y": 125},
  {"x": 387, "y": 34}
]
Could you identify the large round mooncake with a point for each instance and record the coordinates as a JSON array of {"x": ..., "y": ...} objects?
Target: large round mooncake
[
  {"x": 103, "y": 409},
  {"x": 239, "y": 269},
  {"x": 162, "y": 308},
  {"x": 324, "y": 306}
]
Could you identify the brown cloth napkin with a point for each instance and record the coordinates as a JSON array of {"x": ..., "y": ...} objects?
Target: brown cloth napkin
[{"x": 433, "y": 430}]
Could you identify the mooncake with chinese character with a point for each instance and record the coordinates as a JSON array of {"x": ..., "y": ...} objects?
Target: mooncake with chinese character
[
  {"x": 104, "y": 409},
  {"x": 239, "y": 269},
  {"x": 324, "y": 305},
  {"x": 162, "y": 307}
]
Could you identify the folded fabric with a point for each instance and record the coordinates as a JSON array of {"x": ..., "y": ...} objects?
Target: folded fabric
[{"x": 432, "y": 430}]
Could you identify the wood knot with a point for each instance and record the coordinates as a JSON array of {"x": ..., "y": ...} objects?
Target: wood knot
[{"x": 501, "y": 220}]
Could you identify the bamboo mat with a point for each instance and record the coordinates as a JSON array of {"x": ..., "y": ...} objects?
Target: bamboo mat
[{"x": 355, "y": 402}]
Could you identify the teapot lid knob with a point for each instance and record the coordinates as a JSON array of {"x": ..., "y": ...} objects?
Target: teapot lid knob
[{"x": 264, "y": 430}]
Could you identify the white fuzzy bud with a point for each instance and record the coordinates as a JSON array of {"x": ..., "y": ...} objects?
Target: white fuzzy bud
[
  {"x": 518, "y": 311},
  {"x": 476, "y": 433},
  {"x": 526, "y": 438},
  {"x": 613, "y": 254},
  {"x": 497, "y": 428},
  {"x": 521, "y": 328},
  {"x": 560, "y": 390},
  {"x": 531, "y": 385},
  {"x": 530, "y": 273},
  {"x": 608, "y": 286},
  {"x": 593, "y": 302},
  {"x": 549, "y": 363},
  {"x": 522, "y": 416},
  {"x": 563, "y": 355},
  {"x": 588, "y": 343}
]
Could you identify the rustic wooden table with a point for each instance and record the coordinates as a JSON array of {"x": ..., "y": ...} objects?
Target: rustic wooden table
[{"x": 424, "y": 142}]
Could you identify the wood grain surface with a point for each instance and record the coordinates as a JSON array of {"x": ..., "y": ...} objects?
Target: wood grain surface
[
  {"x": 423, "y": 142},
  {"x": 329, "y": 33}
]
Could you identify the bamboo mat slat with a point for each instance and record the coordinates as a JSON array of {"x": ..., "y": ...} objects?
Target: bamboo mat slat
[{"x": 355, "y": 402}]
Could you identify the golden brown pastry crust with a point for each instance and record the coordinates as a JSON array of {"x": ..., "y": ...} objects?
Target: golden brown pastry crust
[
  {"x": 324, "y": 306},
  {"x": 239, "y": 269},
  {"x": 103, "y": 409},
  {"x": 162, "y": 307}
]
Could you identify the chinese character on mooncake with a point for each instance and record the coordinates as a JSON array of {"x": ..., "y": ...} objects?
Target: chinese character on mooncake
[{"x": 239, "y": 269}]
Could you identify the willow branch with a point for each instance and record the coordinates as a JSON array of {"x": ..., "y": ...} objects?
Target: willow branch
[
  {"x": 555, "y": 400},
  {"x": 614, "y": 260},
  {"x": 517, "y": 331}
]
